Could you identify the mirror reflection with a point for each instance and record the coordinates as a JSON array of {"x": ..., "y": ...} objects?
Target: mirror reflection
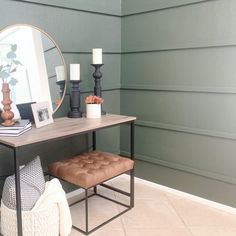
[{"x": 32, "y": 64}]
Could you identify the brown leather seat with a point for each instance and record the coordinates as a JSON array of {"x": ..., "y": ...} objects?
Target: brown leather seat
[{"x": 89, "y": 169}]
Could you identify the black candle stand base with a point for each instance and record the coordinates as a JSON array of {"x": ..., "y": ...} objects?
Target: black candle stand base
[
  {"x": 74, "y": 100},
  {"x": 74, "y": 114},
  {"x": 97, "y": 75}
]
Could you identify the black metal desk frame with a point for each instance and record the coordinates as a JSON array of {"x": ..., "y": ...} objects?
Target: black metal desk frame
[{"x": 17, "y": 166}]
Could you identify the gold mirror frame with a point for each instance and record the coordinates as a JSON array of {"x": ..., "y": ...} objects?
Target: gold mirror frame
[{"x": 58, "y": 50}]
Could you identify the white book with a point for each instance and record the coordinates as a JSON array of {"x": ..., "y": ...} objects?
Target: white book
[
  {"x": 15, "y": 134},
  {"x": 14, "y": 131},
  {"x": 19, "y": 125}
]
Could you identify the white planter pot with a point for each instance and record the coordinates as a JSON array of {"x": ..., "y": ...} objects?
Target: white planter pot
[{"x": 93, "y": 110}]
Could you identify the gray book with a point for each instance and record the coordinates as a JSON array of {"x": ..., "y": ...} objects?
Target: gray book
[
  {"x": 19, "y": 125},
  {"x": 15, "y": 134}
]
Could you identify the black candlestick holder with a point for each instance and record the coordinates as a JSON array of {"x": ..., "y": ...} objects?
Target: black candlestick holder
[
  {"x": 61, "y": 84},
  {"x": 74, "y": 100},
  {"x": 97, "y": 75}
]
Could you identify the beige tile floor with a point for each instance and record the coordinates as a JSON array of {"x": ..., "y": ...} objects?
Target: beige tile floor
[{"x": 156, "y": 213}]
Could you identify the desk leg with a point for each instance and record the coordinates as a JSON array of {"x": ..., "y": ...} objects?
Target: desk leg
[
  {"x": 94, "y": 141},
  {"x": 132, "y": 157},
  {"x": 18, "y": 195},
  {"x": 94, "y": 148},
  {"x": 132, "y": 140}
]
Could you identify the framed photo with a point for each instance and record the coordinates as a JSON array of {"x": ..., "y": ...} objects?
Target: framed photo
[{"x": 42, "y": 114}]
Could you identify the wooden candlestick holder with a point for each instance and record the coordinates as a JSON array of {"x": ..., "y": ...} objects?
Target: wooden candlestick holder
[{"x": 7, "y": 114}]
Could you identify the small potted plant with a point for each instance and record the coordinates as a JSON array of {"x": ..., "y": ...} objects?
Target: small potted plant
[{"x": 93, "y": 106}]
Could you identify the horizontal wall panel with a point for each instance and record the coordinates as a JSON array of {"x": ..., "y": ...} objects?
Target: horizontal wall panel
[
  {"x": 184, "y": 129},
  {"x": 207, "y": 174},
  {"x": 194, "y": 89},
  {"x": 198, "y": 185},
  {"x": 178, "y": 78},
  {"x": 209, "y": 111},
  {"x": 109, "y": 139},
  {"x": 111, "y": 101},
  {"x": 138, "y": 6},
  {"x": 74, "y": 31},
  {"x": 110, "y": 70},
  {"x": 100, "y": 6},
  {"x": 197, "y": 154},
  {"x": 203, "y": 69},
  {"x": 207, "y": 24}
]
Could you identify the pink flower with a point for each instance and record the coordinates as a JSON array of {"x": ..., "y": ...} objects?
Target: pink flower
[{"x": 92, "y": 99}]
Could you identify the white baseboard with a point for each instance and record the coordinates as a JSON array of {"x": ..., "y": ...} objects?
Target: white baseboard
[{"x": 189, "y": 196}]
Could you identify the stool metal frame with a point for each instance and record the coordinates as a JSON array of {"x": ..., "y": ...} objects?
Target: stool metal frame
[
  {"x": 130, "y": 194},
  {"x": 95, "y": 193}
]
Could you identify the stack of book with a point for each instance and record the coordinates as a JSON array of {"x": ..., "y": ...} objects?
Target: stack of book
[{"x": 17, "y": 129}]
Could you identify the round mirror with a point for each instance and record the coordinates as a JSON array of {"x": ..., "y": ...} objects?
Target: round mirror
[{"x": 33, "y": 65}]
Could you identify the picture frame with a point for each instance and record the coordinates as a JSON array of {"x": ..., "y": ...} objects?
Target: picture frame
[{"x": 42, "y": 114}]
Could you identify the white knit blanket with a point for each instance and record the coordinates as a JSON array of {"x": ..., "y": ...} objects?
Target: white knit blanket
[{"x": 55, "y": 194}]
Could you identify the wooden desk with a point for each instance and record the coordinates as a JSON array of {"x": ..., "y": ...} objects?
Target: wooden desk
[{"x": 61, "y": 128}]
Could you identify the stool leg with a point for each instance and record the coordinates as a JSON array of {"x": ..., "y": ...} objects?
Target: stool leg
[
  {"x": 95, "y": 189},
  {"x": 86, "y": 211}
]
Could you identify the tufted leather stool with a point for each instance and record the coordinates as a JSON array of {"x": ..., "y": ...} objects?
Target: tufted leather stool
[{"x": 91, "y": 169}]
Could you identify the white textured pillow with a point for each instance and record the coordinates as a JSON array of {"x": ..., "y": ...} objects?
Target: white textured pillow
[{"x": 32, "y": 184}]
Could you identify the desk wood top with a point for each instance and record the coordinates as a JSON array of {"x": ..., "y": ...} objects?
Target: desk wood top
[{"x": 64, "y": 127}]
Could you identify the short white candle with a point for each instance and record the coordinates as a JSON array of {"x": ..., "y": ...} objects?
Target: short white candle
[
  {"x": 97, "y": 56},
  {"x": 74, "y": 71},
  {"x": 60, "y": 73}
]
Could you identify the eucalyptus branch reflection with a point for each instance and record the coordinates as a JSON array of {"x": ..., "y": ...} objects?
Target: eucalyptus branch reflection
[{"x": 31, "y": 71}]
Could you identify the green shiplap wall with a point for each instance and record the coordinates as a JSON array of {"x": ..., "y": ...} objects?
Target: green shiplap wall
[
  {"x": 174, "y": 62},
  {"x": 178, "y": 77},
  {"x": 77, "y": 26}
]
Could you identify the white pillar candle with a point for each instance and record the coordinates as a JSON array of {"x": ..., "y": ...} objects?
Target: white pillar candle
[
  {"x": 74, "y": 71},
  {"x": 97, "y": 56},
  {"x": 60, "y": 73}
]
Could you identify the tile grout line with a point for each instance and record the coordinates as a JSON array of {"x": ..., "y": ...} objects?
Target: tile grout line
[
  {"x": 179, "y": 216},
  {"x": 121, "y": 217}
]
